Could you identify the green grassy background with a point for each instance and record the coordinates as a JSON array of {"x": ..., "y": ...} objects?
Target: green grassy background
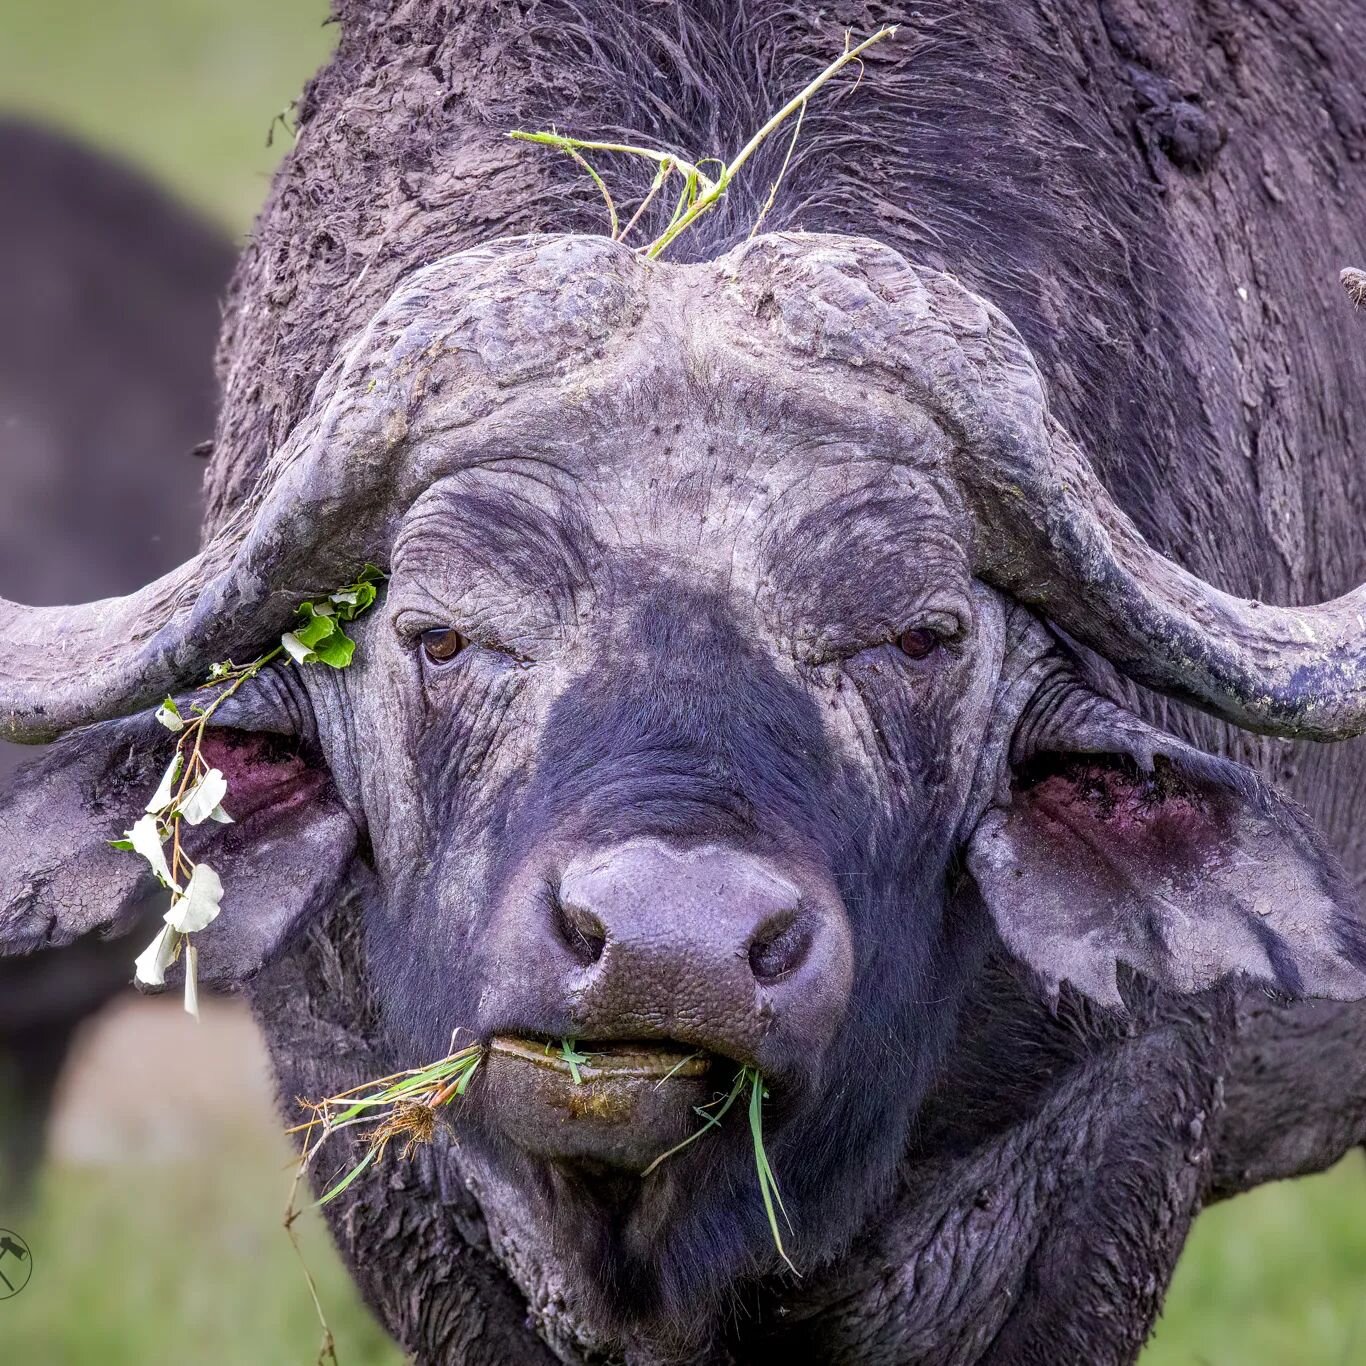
[
  {"x": 187, "y": 88},
  {"x": 183, "y": 1260}
]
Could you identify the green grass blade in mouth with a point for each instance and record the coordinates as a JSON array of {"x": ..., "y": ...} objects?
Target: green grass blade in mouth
[
  {"x": 768, "y": 1182},
  {"x": 709, "y": 1121},
  {"x": 351, "y": 1176},
  {"x": 574, "y": 1058},
  {"x": 402, "y": 1105},
  {"x": 682, "y": 1062}
]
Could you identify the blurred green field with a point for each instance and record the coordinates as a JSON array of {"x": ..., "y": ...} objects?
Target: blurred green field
[
  {"x": 187, "y": 88},
  {"x": 180, "y": 1262},
  {"x": 163, "y": 1261}
]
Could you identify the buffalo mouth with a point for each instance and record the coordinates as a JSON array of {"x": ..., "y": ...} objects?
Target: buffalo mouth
[{"x": 619, "y": 1104}]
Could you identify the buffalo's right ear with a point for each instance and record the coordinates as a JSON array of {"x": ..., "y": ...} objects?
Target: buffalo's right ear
[
  {"x": 1118, "y": 843},
  {"x": 288, "y": 849}
]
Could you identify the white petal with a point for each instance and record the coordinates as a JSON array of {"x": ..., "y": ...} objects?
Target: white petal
[
  {"x": 153, "y": 961},
  {"x": 192, "y": 980},
  {"x": 298, "y": 651},
  {"x": 162, "y": 798},
  {"x": 146, "y": 840},
  {"x": 170, "y": 719},
  {"x": 199, "y": 905},
  {"x": 221, "y": 816},
  {"x": 204, "y": 797}
]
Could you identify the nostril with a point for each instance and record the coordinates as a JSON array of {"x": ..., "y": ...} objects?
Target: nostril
[
  {"x": 581, "y": 931},
  {"x": 779, "y": 948}
]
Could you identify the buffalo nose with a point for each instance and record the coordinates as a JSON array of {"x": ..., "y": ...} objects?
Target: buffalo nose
[{"x": 710, "y": 945}]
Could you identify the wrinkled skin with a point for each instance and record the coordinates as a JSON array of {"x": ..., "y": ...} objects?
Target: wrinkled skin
[{"x": 674, "y": 657}]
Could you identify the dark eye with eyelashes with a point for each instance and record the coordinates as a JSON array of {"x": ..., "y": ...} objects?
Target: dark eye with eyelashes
[
  {"x": 442, "y": 644},
  {"x": 919, "y": 642}
]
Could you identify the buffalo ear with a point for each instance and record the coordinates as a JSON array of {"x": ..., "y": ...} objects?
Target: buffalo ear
[
  {"x": 288, "y": 850},
  {"x": 1185, "y": 867}
]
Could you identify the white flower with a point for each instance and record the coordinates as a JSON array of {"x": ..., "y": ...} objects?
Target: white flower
[
  {"x": 202, "y": 800},
  {"x": 199, "y": 904},
  {"x": 145, "y": 837},
  {"x": 153, "y": 961}
]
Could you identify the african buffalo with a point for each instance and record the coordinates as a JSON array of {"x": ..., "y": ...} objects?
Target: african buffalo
[
  {"x": 109, "y": 306},
  {"x": 823, "y": 652}
]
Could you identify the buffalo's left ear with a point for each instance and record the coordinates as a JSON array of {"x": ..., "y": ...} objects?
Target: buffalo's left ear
[
  {"x": 1134, "y": 847},
  {"x": 289, "y": 847}
]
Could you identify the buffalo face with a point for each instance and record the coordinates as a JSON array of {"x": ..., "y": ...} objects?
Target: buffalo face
[{"x": 673, "y": 720}]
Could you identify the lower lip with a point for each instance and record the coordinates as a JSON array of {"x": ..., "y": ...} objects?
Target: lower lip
[{"x": 630, "y": 1101}]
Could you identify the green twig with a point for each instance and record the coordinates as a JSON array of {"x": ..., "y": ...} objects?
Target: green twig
[
  {"x": 701, "y": 193},
  {"x": 782, "y": 171},
  {"x": 602, "y": 188}
]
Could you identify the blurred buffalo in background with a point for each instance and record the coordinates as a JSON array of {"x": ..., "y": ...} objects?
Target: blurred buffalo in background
[{"x": 109, "y": 310}]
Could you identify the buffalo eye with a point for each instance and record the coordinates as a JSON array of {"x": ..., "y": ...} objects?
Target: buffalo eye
[
  {"x": 918, "y": 642},
  {"x": 443, "y": 644}
]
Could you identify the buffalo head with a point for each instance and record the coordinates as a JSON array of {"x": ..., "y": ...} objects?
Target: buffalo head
[{"x": 712, "y": 718}]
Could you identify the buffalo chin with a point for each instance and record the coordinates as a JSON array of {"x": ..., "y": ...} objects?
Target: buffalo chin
[{"x": 657, "y": 1258}]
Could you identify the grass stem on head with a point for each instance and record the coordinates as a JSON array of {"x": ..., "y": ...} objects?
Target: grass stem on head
[{"x": 700, "y": 193}]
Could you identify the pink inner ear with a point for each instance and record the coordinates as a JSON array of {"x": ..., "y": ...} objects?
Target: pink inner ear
[
  {"x": 1126, "y": 815},
  {"x": 263, "y": 772}
]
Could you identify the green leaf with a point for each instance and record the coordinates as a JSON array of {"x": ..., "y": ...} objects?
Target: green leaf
[
  {"x": 350, "y": 602},
  {"x": 146, "y": 839},
  {"x": 191, "y": 980},
  {"x": 161, "y": 799},
  {"x": 296, "y": 649},
  {"x": 199, "y": 905},
  {"x": 151, "y": 964},
  {"x": 204, "y": 797},
  {"x": 337, "y": 650},
  {"x": 316, "y": 626}
]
